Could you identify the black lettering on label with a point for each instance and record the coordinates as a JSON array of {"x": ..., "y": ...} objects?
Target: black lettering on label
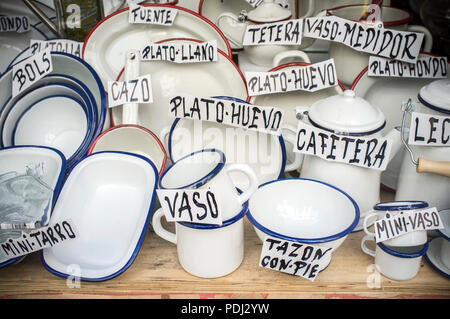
[
  {"x": 300, "y": 132},
  {"x": 185, "y": 206},
  {"x": 171, "y": 208},
  {"x": 272, "y": 242},
  {"x": 68, "y": 229},
  {"x": 283, "y": 247},
  {"x": 265, "y": 261},
  {"x": 445, "y": 139},
  {"x": 57, "y": 228},
  {"x": 195, "y": 197},
  {"x": 431, "y": 139},
  {"x": 357, "y": 151},
  {"x": 212, "y": 204},
  {"x": 416, "y": 136},
  {"x": 409, "y": 41}
]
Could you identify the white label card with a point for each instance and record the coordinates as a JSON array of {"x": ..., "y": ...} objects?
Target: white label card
[
  {"x": 254, "y": 3},
  {"x": 397, "y": 45},
  {"x": 138, "y": 90},
  {"x": 181, "y": 52},
  {"x": 58, "y": 45},
  {"x": 201, "y": 206},
  {"x": 151, "y": 15},
  {"x": 19, "y": 24},
  {"x": 286, "y": 33},
  {"x": 406, "y": 222},
  {"x": 265, "y": 119},
  {"x": 429, "y": 130},
  {"x": 425, "y": 67},
  {"x": 293, "y": 258},
  {"x": 311, "y": 78},
  {"x": 371, "y": 153},
  {"x": 38, "y": 239},
  {"x": 30, "y": 71}
]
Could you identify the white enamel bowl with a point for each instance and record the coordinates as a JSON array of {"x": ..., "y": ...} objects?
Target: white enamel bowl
[
  {"x": 17, "y": 159},
  {"x": 304, "y": 211},
  {"x": 58, "y": 121},
  {"x": 108, "y": 197},
  {"x": 218, "y": 78},
  {"x": 35, "y": 95},
  {"x": 132, "y": 139}
]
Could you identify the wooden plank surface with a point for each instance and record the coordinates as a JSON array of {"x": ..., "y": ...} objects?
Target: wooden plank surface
[{"x": 156, "y": 273}]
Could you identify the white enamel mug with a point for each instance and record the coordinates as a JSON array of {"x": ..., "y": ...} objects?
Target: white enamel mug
[
  {"x": 390, "y": 209},
  {"x": 207, "y": 169},
  {"x": 399, "y": 263},
  {"x": 350, "y": 62},
  {"x": 445, "y": 233},
  {"x": 207, "y": 251}
]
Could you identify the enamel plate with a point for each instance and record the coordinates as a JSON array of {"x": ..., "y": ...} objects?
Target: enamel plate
[
  {"x": 221, "y": 77},
  {"x": 107, "y": 43},
  {"x": 388, "y": 94},
  {"x": 108, "y": 198}
]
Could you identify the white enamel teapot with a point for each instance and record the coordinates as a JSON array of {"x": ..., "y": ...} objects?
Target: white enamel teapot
[
  {"x": 234, "y": 27},
  {"x": 351, "y": 117},
  {"x": 428, "y": 178}
]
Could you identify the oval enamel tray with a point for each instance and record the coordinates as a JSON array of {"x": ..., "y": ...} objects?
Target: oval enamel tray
[{"x": 105, "y": 46}]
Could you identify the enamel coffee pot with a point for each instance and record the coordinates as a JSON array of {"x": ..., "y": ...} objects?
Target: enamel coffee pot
[{"x": 347, "y": 115}]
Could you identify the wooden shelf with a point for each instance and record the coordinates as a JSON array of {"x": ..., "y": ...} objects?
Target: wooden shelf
[{"x": 156, "y": 273}]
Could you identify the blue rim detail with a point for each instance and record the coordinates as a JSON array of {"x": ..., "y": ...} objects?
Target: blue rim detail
[
  {"x": 56, "y": 190},
  {"x": 347, "y": 133},
  {"x": 432, "y": 264},
  {"x": 82, "y": 149},
  {"x": 204, "y": 179},
  {"x": 226, "y": 223},
  {"x": 229, "y": 98},
  {"x": 395, "y": 205},
  {"x": 103, "y": 99},
  {"x": 141, "y": 237},
  {"x": 82, "y": 96},
  {"x": 431, "y": 106},
  {"x": 389, "y": 251},
  {"x": 309, "y": 240}
]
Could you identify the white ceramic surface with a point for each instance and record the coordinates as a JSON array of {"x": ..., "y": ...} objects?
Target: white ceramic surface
[
  {"x": 304, "y": 211},
  {"x": 445, "y": 234},
  {"x": 12, "y": 44},
  {"x": 264, "y": 153},
  {"x": 362, "y": 184},
  {"x": 433, "y": 256},
  {"x": 435, "y": 188},
  {"x": 350, "y": 62},
  {"x": 105, "y": 46},
  {"x": 391, "y": 209},
  {"x": 131, "y": 139},
  {"x": 400, "y": 263},
  {"x": 32, "y": 97},
  {"x": 108, "y": 197},
  {"x": 16, "y": 159},
  {"x": 198, "y": 79},
  {"x": 55, "y": 121},
  {"x": 388, "y": 93},
  {"x": 206, "y": 252},
  {"x": 208, "y": 169},
  {"x": 66, "y": 65}
]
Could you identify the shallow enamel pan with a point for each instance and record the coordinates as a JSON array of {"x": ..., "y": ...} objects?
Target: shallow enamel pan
[{"x": 108, "y": 197}]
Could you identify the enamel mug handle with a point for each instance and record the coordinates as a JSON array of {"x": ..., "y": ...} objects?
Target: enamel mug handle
[
  {"x": 159, "y": 230},
  {"x": 235, "y": 18},
  {"x": 253, "y": 180},
  {"x": 290, "y": 54},
  {"x": 435, "y": 167},
  {"x": 427, "y": 37},
  {"x": 289, "y": 135},
  {"x": 366, "y": 219},
  {"x": 364, "y": 248}
]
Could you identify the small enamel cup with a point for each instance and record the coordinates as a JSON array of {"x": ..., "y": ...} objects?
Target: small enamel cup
[
  {"x": 207, "y": 169},
  {"x": 445, "y": 233},
  {"x": 207, "y": 251},
  {"x": 390, "y": 209},
  {"x": 399, "y": 263}
]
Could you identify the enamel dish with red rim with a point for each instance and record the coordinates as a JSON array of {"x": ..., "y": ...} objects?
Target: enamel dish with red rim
[{"x": 107, "y": 43}]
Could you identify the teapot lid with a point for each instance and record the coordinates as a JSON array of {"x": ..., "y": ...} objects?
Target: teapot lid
[
  {"x": 436, "y": 95},
  {"x": 346, "y": 113},
  {"x": 269, "y": 11}
]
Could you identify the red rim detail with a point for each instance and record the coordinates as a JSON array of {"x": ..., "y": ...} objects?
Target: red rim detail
[
  {"x": 229, "y": 52},
  {"x": 91, "y": 148}
]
